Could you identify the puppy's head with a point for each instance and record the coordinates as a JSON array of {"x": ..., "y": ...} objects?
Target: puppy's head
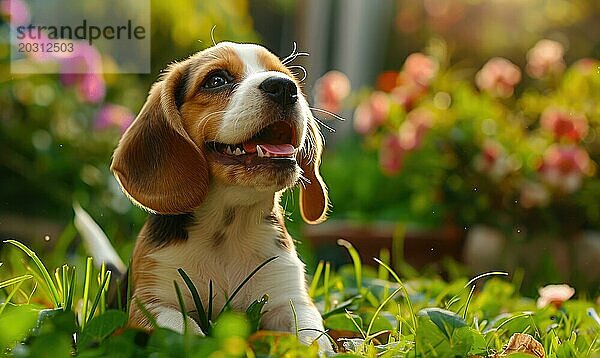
[{"x": 232, "y": 113}]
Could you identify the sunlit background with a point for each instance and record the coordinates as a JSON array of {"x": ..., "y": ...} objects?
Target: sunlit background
[{"x": 470, "y": 142}]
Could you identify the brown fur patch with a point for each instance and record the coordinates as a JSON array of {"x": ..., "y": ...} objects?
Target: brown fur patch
[
  {"x": 218, "y": 238},
  {"x": 283, "y": 240},
  {"x": 272, "y": 63},
  {"x": 142, "y": 267},
  {"x": 228, "y": 216}
]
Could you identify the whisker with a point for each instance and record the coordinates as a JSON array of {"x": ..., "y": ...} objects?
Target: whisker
[
  {"x": 305, "y": 74},
  {"x": 294, "y": 54},
  {"x": 204, "y": 123},
  {"x": 212, "y": 34},
  {"x": 324, "y": 125},
  {"x": 327, "y": 112},
  {"x": 303, "y": 181},
  {"x": 291, "y": 54}
]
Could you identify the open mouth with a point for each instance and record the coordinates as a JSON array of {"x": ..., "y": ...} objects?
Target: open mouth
[{"x": 275, "y": 141}]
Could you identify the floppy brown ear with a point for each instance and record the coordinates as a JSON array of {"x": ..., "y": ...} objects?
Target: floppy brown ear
[
  {"x": 156, "y": 163},
  {"x": 314, "y": 201}
]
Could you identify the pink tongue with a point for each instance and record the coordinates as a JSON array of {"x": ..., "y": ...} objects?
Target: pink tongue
[
  {"x": 276, "y": 150},
  {"x": 283, "y": 150}
]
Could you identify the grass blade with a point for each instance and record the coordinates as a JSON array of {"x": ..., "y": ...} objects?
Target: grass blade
[
  {"x": 99, "y": 294},
  {"x": 295, "y": 317},
  {"x": 464, "y": 316},
  {"x": 355, "y": 260},
  {"x": 149, "y": 316},
  {"x": 380, "y": 308},
  {"x": 15, "y": 280},
  {"x": 314, "y": 283},
  {"x": 10, "y": 295},
  {"x": 204, "y": 324},
  {"x": 181, "y": 307},
  {"x": 103, "y": 291},
  {"x": 405, "y": 291},
  {"x": 237, "y": 290},
  {"x": 45, "y": 274},
  {"x": 86, "y": 291},
  {"x": 326, "y": 287},
  {"x": 210, "y": 300},
  {"x": 456, "y": 297}
]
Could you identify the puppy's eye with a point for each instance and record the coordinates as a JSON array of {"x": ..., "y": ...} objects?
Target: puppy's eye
[{"x": 218, "y": 79}]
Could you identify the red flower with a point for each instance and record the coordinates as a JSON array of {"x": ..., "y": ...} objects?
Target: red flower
[
  {"x": 391, "y": 155},
  {"x": 330, "y": 90},
  {"x": 564, "y": 166},
  {"x": 387, "y": 81},
  {"x": 571, "y": 125},
  {"x": 370, "y": 114},
  {"x": 498, "y": 76},
  {"x": 544, "y": 58}
]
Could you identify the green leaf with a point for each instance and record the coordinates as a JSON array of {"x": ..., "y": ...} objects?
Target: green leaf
[
  {"x": 342, "y": 307},
  {"x": 101, "y": 327},
  {"x": 254, "y": 312},
  {"x": 340, "y": 322},
  {"x": 446, "y": 321},
  {"x": 445, "y": 334},
  {"x": 15, "y": 324},
  {"x": 51, "y": 345}
]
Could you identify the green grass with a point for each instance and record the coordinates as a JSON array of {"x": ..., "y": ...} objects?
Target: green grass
[{"x": 366, "y": 314}]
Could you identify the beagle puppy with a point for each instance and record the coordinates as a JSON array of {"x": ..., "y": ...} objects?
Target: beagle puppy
[{"x": 220, "y": 137}]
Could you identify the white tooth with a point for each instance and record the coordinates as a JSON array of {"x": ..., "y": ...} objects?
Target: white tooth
[
  {"x": 237, "y": 151},
  {"x": 228, "y": 150},
  {"x": 259, "y": 151}
]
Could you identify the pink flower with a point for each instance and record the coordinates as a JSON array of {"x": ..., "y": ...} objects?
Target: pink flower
[
  {"x": 587, "y": 65},
  {"x": 571, "y": 125},
  {"x": 407, "y": 94},
  {"x": 498, "y": 76},
  {"x": 391, "y": 155},
  {"x": 83, "y": 69},
  {"x": 420, "y": 69},
  {"x": 544, "y": 58},
  {"x": 330, "y": 90},
  {"x": 413, "y": 129},
  {"x": 91, "y": 88},
  {"x": 534, "y": 195},
  {"x": 17, "y": 10},
  {"x": 113, "y": 115},
  {"x": 370, "y": 114},
  {"x": 555, "y": 295},
  {"x": 564, "y": 166},
  {"x": 493, "y": 160}
]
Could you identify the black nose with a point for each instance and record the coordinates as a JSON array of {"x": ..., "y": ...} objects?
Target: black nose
[{"x": 281, "y": 90}]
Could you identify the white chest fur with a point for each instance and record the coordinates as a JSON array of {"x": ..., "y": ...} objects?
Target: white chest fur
[{"x": 231, "y": 236}]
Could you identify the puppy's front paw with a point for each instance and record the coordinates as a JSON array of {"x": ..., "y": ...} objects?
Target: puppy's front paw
[
  {"x": 173, "y": 319},
  {"x": 309, "y": 336}
]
